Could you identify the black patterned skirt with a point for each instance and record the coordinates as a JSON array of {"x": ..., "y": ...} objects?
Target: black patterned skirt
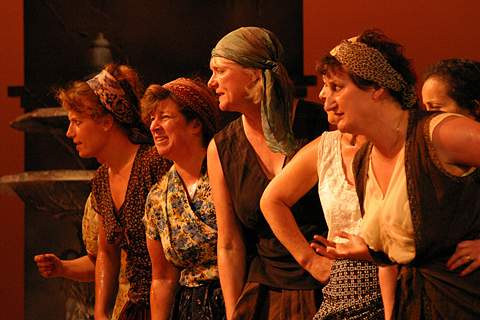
[
  {"x": 199, "y": 303},
  {"x": 353, "y": 292}
]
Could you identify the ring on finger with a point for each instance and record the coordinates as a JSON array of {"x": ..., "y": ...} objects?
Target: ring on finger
[{"x": 468, "y": 258}]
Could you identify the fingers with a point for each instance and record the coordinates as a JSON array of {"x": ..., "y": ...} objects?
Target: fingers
[
  {"x": 324, "y": 241},
  {"x": 46, "y": 264},
  {"x": 474, "y": 265},
  {"x": 321, "y": 250}
]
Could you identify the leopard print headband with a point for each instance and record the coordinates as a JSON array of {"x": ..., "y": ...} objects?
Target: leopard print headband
[{"x": 370, "y": 64}]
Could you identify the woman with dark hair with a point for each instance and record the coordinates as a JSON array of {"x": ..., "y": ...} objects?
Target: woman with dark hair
[
  {"x": 452, "y": 85},
  {"x": 259, "y": 277},
  {"x": 105, "y": 123},
  {"x": 180, "y": 217},
  {"x": 416, "y": 178}
]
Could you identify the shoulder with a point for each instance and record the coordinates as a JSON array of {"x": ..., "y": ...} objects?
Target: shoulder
[{"x": 152, "y": 161}]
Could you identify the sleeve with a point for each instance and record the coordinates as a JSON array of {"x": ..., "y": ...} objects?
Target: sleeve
[
  {"x": 151, "y": 217},
  {"x": 90, "y": 228}
]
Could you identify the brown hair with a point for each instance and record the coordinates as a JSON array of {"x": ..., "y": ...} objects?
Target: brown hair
[{"x": 79, "y": 97}]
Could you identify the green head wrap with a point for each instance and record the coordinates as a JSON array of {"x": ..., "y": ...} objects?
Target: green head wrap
[{"x": 255, "y": 47}]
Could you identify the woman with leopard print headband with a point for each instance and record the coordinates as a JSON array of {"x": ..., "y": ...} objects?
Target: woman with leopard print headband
[{"x": 416, "y": 179}]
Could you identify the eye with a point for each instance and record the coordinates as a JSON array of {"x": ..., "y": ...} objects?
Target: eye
[{"x": 336, "y": 87}]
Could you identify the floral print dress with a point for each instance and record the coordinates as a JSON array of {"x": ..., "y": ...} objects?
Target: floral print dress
[{"x": 188, "y": 232}]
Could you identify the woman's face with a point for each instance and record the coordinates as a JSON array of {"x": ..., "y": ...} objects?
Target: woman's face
[
  {"x": 345, "y": 103},
  {"x": 230, "y": 80},
  {"x": 88, "y": 135},
  {"x": 171, "y": 132},
  {"x": 435, "y": 97}
]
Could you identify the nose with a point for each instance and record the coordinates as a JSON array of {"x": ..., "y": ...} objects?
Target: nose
[
  {"x": 69, "y": 133},
  {"x": 322, "y": 95},
  {"x": 212, "y": 83},
  {"x": 154, "y": 125}
]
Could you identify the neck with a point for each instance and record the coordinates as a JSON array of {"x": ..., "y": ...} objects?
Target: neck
[
  {"x": 189, "y": 167},
  {"x": 390, "y": 138},
  {"x": 253, "y": 119},
  {"x": 118, "y": 152},
  {"x": 353, "y": 140}
]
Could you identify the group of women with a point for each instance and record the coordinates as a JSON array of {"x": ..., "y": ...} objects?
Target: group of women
[{"x": 232, "y": 223}]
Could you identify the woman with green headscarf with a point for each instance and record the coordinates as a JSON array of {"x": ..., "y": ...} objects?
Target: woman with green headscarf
[{"x": 260, "y": 279}]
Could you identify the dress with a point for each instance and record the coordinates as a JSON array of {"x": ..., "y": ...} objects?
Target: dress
[
  {"x": 276, "y": 284},
  {"x": 125, "y": 226},
  {"x": 188, "y": 231},
  {"x": 353, "y": 291},
  {"x": 445, "y": 210},
  {"x": 90, "y": 239}
]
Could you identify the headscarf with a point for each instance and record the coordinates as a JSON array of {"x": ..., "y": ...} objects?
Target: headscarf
[
  {"x": 255, "y": 47},
  {"x": 118, "y": 99},
  {"x": 198, "y": 98},
  {"x": 370, "y": 64}
]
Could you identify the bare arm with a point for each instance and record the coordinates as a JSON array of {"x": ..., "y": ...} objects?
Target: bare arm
[
  {"x": 164, "y": 281},
  {"x": 50, "y": 266},
  {"x": 457, "y": 141},
  {"x": 106, "y": 274},
  {"x": 230, "y": 247},
  {"x": 295, "y": 180},
  {"x": 387, "y": 276}
]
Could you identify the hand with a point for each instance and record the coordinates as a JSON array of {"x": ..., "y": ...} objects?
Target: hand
[
  {"x": 355, "y": 247},
  {"x": 49, "y": 265},
  {"x": 467, "y": 253},
  {"x": 319, "y": 267},
  {"x": 319, "y": 244}
]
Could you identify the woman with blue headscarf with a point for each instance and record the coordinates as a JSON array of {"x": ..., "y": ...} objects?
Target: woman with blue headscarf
[{"x": 260, "y": 279}]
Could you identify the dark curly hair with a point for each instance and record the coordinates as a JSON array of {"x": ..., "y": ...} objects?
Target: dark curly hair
[
  {"x": 462, "y": 77},
  {"x": 392, "y": 52}
]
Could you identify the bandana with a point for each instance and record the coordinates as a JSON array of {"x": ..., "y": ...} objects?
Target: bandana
[
  {"x": 198, "y": 98},
  {"x": 254, "y": 47},
  {"x": 368, "y": 63},
  {"x": 113, "y": 97},
  {"x": 124, "y": 108}
]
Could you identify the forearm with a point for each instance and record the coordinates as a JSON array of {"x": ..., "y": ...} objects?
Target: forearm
[
  {"x": 285, "y": 228},
  {"x": 162, "y": 297},
  {"x": 232, "y": 269},
  {"x": 81, "y": 269},
  {"x": 106, "y": 280},
  {"x": 387, "y": 276}
]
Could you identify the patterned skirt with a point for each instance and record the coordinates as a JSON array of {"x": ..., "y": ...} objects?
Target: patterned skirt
[
  {"x": 353, "y": 292},
  {"x": 199, "y": 303}
]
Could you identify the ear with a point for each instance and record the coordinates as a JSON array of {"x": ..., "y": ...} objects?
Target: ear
[
  {"x": 196, "y": 126},
  {"x": 255, "y": 75},
  {"x": 106, "y": 122},
  {"x": 378, "y": 94}
]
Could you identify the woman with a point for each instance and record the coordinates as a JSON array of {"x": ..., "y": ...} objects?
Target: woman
[
  {"x": 416, "y": 178},
  {"x": 353, "y": 291},
  {"x": 452, "y": 86},
  {"x": 180, "y": 218},
  {"x": 259, "y": 278},
  {"x": 83, "y": 269},
  {"x": 105, "y": 123}
]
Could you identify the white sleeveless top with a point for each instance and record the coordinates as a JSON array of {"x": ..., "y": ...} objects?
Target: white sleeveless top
[{"x": 338, "y": 198}]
